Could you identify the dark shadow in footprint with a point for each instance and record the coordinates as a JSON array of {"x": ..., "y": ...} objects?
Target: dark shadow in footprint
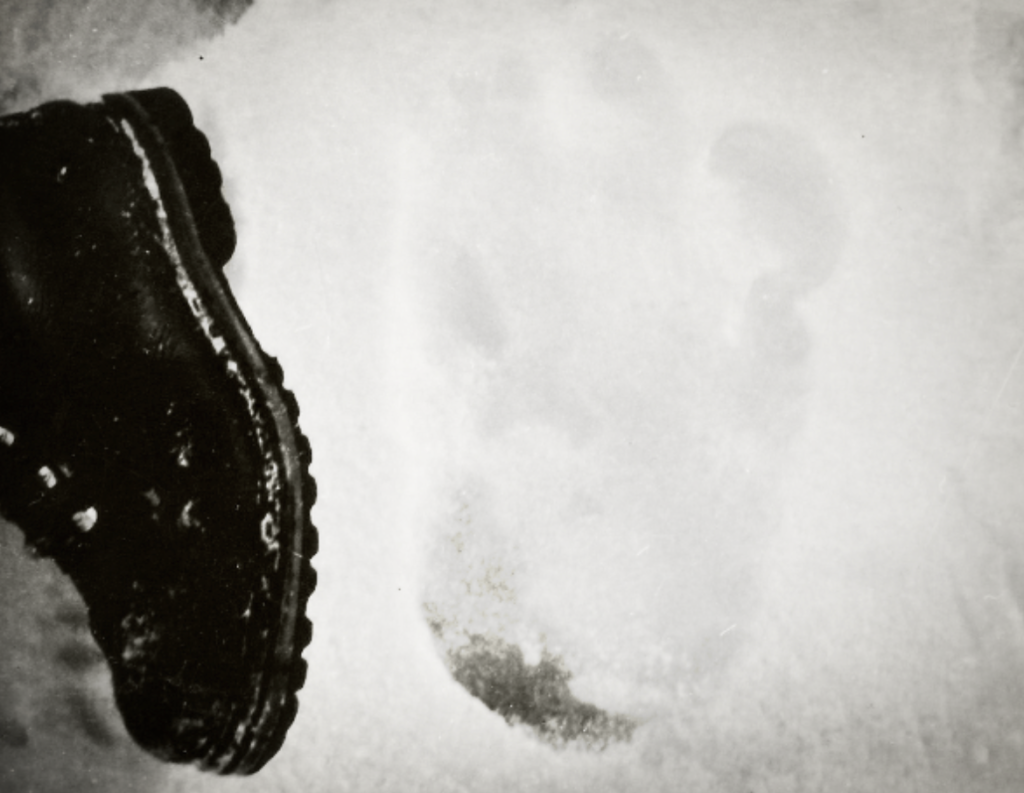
[
  {"x": 230, "y": 11},
  {"x": 72, "y": 616},
  {"x": 78, "y": 656},
  {"x": 790, "y": 199},
  {"x": 537, "y": 695},
  {"x": 87, "y": 718},
  {"x": 791, "y": 205},
  {"x": 12, "y": 733}
]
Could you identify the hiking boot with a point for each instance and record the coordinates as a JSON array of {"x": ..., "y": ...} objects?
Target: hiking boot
[{"x": 147, "y": 443}]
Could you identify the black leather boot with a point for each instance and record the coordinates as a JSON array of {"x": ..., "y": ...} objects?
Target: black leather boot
[{"x": 147, "y": 443}]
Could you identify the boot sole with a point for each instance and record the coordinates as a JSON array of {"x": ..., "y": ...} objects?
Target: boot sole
[{"x": 260, "y": 730}]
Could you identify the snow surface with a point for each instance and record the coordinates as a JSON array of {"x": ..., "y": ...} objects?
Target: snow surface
[{"x": 679, "y": 342}]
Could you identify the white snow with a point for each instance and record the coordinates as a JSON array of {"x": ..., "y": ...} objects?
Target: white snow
[{"x": 678, "y": 340}]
